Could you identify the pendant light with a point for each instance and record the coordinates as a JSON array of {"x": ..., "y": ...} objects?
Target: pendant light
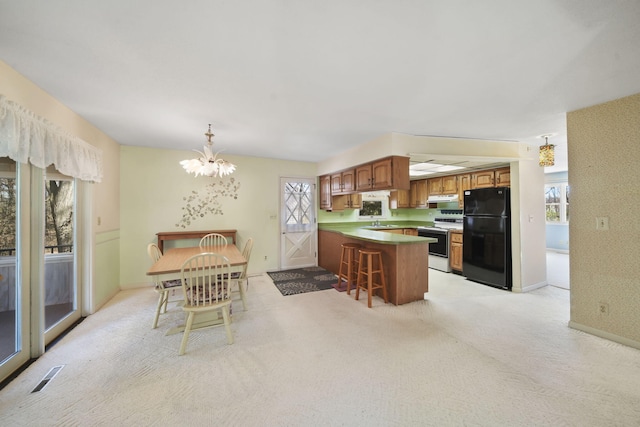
[{"x": 546, "y": 155}]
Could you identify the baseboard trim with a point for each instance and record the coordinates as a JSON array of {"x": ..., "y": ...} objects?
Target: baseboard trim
[
  {"x": 138, "y": 285},
  {"x": 603, "y": 334},
  {"x": 534, "y": 286}
]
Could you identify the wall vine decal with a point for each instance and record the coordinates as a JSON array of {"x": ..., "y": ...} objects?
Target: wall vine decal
[{"x": 201, "y": 203}]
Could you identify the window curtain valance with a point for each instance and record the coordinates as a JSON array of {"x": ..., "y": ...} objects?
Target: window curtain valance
[{"x": 26, "y": 137}]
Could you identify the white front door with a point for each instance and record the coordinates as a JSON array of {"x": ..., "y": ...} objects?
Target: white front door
[{"x": 298, "y": 241}]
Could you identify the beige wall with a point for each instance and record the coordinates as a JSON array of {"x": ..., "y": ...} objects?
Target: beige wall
[
  {"x": 604, "y": 149},
  {"x": 103, "y": 197},
  {"x": 152, "y": 194}
]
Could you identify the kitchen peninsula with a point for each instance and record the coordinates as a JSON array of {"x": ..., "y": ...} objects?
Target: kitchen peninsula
[{"x": 405, "y": 257}]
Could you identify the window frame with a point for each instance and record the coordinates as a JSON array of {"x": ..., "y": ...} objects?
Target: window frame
[{"x": 563, "y": 204}]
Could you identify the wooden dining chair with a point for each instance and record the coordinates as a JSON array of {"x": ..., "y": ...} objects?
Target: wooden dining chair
[
  {"x": 240, "y": 278},
  {"x": 213, "y": 239},
  {"x": 162, "y": 287},
  {"x": 206, "y": 288}
]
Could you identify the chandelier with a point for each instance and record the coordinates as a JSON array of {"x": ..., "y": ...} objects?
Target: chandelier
[
  {"x": 208, "y": 164},
  {"x": 546, "y": 152}
]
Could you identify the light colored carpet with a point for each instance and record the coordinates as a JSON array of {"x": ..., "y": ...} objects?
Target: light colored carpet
[{"x": 470, "y": 355}]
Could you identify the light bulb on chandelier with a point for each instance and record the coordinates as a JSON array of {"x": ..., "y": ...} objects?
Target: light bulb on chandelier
[{"x": 208, "y": 164}]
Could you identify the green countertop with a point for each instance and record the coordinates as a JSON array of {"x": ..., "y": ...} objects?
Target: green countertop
[{"x": 364, "y": 231}]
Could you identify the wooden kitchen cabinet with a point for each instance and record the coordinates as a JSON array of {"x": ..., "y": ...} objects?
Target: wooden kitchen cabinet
[
  {"x": 392, "y": 230},
  {"x": 346, "y": 201},
  {"x": 325, "y": 192},
  {"x": 405, "y": 231},
  {"x": 363, "y": 177},
  {"x": 455, "y": 251},
  {"x": 449, "y": 184},
  {"x": 483, "y": 179},
  {"x": 464, "y": 183},
  {"x": 443, "y": 185},
  {"x": 399, "y": 199},
  {"x": 391, "y": 173},
  {"x": 343, "y": 182},
  {"x": 418, "y": 193},
  {"x": 434, "y": 185},
  {"x": 503, "y": 177}
]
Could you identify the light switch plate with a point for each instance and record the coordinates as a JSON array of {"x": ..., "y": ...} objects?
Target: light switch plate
[{"x": 602, "y": 223}]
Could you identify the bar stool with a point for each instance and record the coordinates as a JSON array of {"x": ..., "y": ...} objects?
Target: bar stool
[
  {"x": 366, "y": 262},
  {"x": 349, "y": 263}
]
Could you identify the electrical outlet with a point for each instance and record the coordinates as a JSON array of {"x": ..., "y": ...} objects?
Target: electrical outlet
[
  {"x": 603, "y": 308},
  {"x": 602, "y": 223},
  {"x": 265, "y": 257}
]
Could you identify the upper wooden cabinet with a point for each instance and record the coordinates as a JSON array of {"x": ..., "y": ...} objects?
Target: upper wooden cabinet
[
  {"x": 483, "y": 179},
  {"x": 399, "y": 199},
  {"x": 343, "y": 182},
  {"x": 363, "y": 177},
  {"x": 503, "y": 177},
  {"x": 346, "y": 201},
  {"x": 443, "y": 185},
  {"x": 464, "y": 183},
  {"x": 391, "y": 173},
  {"x": 491, "y": 178},
  {"x": 325, "y": 192},
  {"x": 419, "y": 193}
]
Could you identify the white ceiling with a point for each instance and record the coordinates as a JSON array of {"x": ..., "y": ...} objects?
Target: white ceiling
[{"x": 306, "y": 80}]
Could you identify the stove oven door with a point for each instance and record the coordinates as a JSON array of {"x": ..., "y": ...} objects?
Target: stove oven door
[{"x": 439, "y": 248}]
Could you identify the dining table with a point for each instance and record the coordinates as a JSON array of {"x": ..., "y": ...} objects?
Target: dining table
[
  {"x": 170, "y": 263},
  {"x": 169, "y": 266}
]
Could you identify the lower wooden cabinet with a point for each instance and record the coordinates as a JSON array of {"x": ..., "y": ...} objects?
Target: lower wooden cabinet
[{"x": 455, "y": 251}]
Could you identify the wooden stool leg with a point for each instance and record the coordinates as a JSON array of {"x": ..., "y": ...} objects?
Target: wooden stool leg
[
  {"x": 360, "y": 274},
  {"x": 350, "y": 262},
  {"x": 382, "y": 280},
  {"x": 370, "y": 279},
  {"x": 340, "y": 274},
  {"x": 369, "y": 264}
]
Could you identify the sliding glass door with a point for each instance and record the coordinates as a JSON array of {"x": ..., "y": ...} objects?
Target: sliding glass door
[
  {"x": 60, "y": 297},
  {"x": 39, "y": 289},
  {"x": 14, "y": 295}
]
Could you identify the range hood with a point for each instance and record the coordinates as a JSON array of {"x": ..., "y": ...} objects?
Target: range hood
[{"x": 442, "y": 198}]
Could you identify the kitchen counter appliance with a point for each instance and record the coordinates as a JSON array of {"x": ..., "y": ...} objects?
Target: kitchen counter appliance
[
  {"x": 439, "y": 251},
  {"x": 486, "y": 253}
]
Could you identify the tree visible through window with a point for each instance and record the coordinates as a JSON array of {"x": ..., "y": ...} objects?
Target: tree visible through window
[
  {"x": 59, "y": 216},
  {"x": 557, "y": 203},
  {"x": 7, "y": 216}
]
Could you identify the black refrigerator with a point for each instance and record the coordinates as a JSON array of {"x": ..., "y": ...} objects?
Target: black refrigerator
[{"x": 486, "y": 244}]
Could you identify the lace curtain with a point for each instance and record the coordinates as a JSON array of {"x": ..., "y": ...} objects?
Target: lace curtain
[{"x": 26, "y": 137}]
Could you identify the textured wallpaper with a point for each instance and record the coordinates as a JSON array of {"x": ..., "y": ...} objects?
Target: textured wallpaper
[{"x": 604, "y": 151}]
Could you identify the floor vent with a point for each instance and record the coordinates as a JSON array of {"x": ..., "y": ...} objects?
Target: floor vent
[{"x": 52, "y": 373}]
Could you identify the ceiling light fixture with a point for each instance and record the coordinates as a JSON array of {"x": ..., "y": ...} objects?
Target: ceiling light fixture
[
  {"x": 208, "y": 164},
  {"x": 546, "y": 155}
]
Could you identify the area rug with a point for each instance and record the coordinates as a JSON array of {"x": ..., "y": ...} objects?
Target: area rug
[{"x": 302, "y": 280}]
